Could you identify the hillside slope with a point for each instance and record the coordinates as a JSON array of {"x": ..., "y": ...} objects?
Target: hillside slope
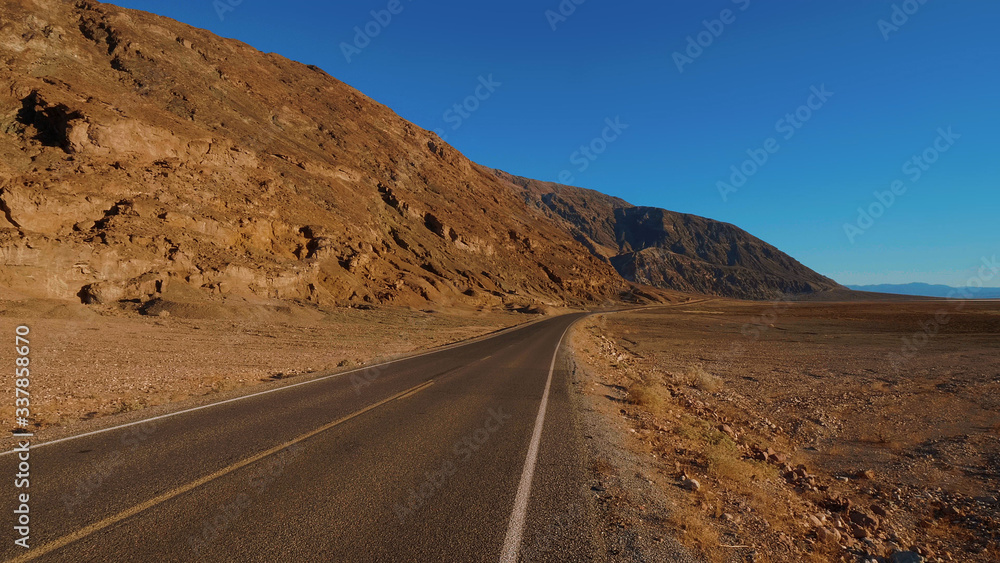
[
  {"x": 141, "y": 159},
  {"x": 672, "y": 250}
]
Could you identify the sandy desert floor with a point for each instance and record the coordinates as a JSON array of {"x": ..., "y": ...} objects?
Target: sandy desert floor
[{"x": 800, "y": 432}]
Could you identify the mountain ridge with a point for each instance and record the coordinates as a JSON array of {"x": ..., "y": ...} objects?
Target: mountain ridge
[{"x": 667, "y": 249}]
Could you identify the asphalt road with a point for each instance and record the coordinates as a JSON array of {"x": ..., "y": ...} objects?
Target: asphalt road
[{"x": 425, "y": 459}]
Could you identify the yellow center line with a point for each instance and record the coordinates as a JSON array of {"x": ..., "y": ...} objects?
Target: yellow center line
[{"x": 97, "y": 526}]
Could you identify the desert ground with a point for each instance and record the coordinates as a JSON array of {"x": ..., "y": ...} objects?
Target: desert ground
[{"x": 797, "y": 431}]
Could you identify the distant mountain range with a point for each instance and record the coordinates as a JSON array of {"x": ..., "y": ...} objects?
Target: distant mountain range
[{"x": 929, "y": 290}]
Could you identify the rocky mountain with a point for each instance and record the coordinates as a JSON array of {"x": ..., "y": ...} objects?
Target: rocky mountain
[
  {"x": 672, "y": 250},
  {"x": 144, "y": 160}
]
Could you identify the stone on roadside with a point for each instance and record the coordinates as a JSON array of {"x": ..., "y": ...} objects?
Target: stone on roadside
[
  {"x": 862, "y": 519},
  {"x": 950, "y": 511},
  {"x": 825, "y": 534}
]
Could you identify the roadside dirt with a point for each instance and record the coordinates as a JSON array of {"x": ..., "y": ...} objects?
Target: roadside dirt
[{"x": 801, "y": 432}]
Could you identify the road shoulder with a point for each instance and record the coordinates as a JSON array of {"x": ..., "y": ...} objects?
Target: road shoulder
[{"x": 624, "y": 487}]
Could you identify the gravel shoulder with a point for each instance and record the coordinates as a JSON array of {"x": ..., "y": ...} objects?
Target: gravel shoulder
[{"x": 632, "y": 501}]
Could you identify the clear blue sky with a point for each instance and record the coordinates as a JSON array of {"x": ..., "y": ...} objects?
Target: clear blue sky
[{"x": 939, "y": 68}]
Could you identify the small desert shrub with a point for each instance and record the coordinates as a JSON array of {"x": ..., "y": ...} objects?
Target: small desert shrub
[
  {"x": 222, "y": 385},
  {"x": 127, "y": 405},
  {"x": 691, "y": 428},
  {"x": 648, "y": 395},
  {"x": 694, "y": 528},
  {"x": 699, "y": 378},
  {"x": 725, "y": 462},
  {"x": 724, "y": 465}
]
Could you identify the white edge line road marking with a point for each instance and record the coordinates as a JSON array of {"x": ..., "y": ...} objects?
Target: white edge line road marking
[
  {"x": 515, "y": 528},
  {"x": 284, "y": 387}
]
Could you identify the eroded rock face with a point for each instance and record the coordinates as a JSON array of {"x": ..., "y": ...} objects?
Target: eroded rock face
[
  {"x": 671, "y": 250},
  {"x": 138, "y": 154}
]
